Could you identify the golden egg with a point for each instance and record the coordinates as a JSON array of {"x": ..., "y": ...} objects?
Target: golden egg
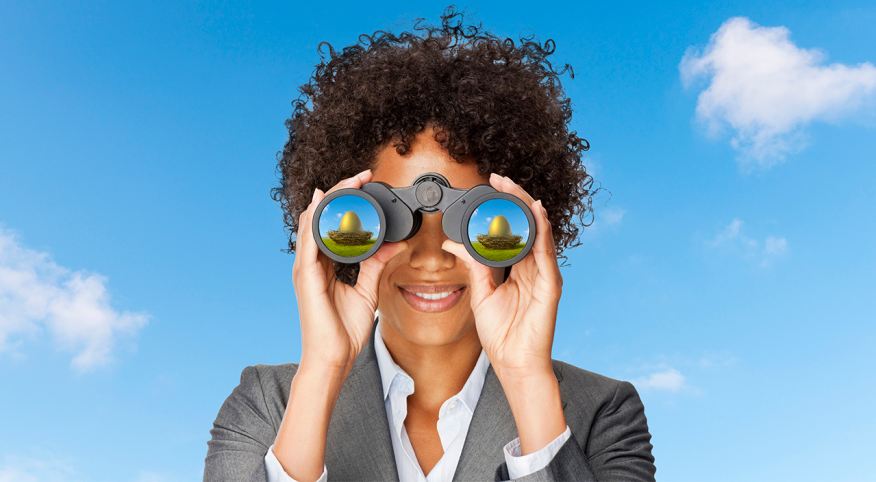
[
  {"x": 499, "y": 227},
  {"x": 350, "y": 223}
]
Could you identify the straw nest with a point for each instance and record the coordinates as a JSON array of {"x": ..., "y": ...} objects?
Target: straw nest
[
  {"x": 350, "y": 238},
  {"x": 499, "y": 242}
]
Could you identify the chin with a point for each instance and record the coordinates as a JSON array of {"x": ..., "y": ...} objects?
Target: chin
[{"x": 429, "y": 329}]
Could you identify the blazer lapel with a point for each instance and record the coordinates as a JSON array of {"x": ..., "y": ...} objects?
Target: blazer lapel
[
  {"x": 358, "y": 446},
  {"x": 492, "y": 427}
]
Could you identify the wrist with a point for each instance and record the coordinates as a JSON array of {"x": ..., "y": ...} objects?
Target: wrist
[
  {"x": 526, "y": 373},
  {"x": 327, "y": 364},
  {"x": 327, "y": 374},
  {"x": 301, "y": 439},
  {"x": 537, "y": 408}
]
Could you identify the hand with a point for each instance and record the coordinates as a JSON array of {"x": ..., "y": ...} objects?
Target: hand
[
  {"x": 516, "y": 319},
  {"x": 336, "y": 318},
  {"x": 515, "y": 322}
]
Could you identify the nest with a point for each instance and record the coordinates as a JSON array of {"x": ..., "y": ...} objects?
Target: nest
[
  {"x": 499, "y": 242},
  {"x": 350, "y": 238}
]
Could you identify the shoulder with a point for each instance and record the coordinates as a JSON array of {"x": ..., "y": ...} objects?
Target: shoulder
[
  {"x": 269, "y": 377},
  {"x": 608, "y": 420},
  {"x": 589, "y": 394},
  {"x": 585, "y": 387},
  {"x": 270, "y": 382},
  {"x": 261, "y": 395}
]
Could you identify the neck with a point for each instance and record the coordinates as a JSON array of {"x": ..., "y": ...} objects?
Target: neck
[{"x": 438, "y": 371}]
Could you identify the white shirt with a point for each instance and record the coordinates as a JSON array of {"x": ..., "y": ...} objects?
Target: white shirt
[{"x": 454, "y": 419}]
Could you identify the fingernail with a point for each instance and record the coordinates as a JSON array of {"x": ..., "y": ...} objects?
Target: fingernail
[
  {"x": 313, "y": 199},
  {"x": 495, "y": 176}
]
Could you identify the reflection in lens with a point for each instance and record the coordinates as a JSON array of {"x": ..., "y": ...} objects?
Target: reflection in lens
[
  {"x": 349, "y": 226},
  {"x": 498, "y": 230}
]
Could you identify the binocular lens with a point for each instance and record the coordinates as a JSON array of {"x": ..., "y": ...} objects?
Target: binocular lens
[
  {"x": 498, "y": 230},
  {"x": 349, "y": 226}
]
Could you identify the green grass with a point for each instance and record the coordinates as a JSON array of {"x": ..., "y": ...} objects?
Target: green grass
[
  {"x": 348, "y": 251},
  {"x": 498, "y": 254}
]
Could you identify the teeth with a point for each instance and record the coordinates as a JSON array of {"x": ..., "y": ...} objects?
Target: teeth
[{"x": 434, "y": 296}]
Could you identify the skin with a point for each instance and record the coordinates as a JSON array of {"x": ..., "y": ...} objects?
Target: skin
[{"x": 512, "y": 321}]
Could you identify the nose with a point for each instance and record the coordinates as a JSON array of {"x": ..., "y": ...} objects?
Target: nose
[{"x": 425, "y": 246}]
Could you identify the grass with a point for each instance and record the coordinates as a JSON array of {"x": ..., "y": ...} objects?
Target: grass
[
  {"x": 348, "y": 251},
  {"x": 498, "y": 254}
]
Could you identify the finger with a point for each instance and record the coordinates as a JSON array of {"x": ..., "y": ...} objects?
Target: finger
[
  {"x": 506, "y": 185},
  {"x": 372, "y": 268},
  {"x": 307, "y": 251},
  {"x": 312, "y": 254},
  {"x": 544, "y": 250},
  {"x": 480, "y": 276},
  {"x": 354, "y": 182}
]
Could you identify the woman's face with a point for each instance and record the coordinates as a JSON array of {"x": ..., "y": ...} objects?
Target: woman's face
[{"x": 425, "y": 270}]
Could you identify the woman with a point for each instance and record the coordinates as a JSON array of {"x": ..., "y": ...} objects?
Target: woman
[{"x": 454, "y": 381}]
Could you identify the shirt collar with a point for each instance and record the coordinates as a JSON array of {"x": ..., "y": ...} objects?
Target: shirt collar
[
  {"x": 388, "y": 369},
  {"x": 470, "y": 392}
]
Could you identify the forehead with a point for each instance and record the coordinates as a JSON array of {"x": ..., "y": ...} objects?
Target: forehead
[{"x": 425, "y": 155}]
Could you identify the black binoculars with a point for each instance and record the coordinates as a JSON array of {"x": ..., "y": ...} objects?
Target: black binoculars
[{"x": 497, "y": 229}]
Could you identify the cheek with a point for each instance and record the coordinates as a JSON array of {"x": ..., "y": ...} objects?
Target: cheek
[{"x": 386, "y": 292}]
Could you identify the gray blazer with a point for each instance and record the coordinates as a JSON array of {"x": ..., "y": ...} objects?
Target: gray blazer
[{"x": 610, "y": 439}]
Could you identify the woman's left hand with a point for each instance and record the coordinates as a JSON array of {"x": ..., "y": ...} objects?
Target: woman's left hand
[{"x": 516, "y": 319}]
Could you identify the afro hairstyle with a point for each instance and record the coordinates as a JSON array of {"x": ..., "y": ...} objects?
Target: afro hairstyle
[{"x": 491, "y": 101}]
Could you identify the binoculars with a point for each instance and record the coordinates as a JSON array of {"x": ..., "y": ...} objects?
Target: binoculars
[{"x": 496, "y": 228}]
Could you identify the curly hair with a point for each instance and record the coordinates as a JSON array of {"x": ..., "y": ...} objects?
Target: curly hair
[{"x": 493, "y": 101}]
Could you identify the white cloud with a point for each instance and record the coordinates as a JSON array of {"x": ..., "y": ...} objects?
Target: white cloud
[
  {"x": 44, "y": 466},
  {"x": 73, "y": 307},
  {"x": 605, "y": 220},
  {"x": 731, "y": 233},
  {"x": 611, "y": 215},
  {"x": 766, "y": 88},
  {"x": 733, "y": 239},
  {"x": 591, "y": 164},
  {"x": 669, "y": 379},
  {"x": 774, "y": 246}
]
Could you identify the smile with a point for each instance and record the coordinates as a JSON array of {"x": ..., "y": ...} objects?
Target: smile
[
  {"x": 432, "y": 299},
  {"x": 434, "y": 296}
]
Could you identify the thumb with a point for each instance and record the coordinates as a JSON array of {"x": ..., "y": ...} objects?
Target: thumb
[
  {"x": 480, "y": 276},
  {"x": 372, "y": 268}
]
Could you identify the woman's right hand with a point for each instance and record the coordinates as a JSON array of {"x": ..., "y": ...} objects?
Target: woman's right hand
[{"x": 336, "y": 319}]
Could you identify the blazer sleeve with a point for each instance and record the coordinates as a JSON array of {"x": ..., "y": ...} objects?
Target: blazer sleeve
[
  {"x": 241, "y": 434},
  {"x": 618, "y": 447}
]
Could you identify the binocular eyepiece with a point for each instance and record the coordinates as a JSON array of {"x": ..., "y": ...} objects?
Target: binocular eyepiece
[{"x": 496, "y": 228}]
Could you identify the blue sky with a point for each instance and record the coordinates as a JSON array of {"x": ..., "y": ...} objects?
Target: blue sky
[{"x": 729, "y": 275}]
